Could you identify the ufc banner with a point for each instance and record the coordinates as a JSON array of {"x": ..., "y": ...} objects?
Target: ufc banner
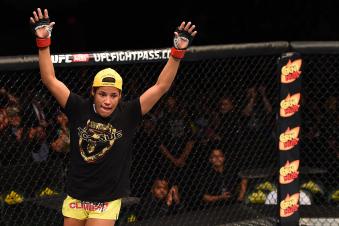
[{"x": 290, "y": 72}]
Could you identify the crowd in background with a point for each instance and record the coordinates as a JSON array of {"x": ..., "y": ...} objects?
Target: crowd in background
[{"x": 186, "y": 155}]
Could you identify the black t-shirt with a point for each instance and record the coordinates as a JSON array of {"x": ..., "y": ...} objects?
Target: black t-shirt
[
  {"x": 100, "y": 149},
  {"x": 217, "y": 183},
  {"x": 175, "y": 133}
]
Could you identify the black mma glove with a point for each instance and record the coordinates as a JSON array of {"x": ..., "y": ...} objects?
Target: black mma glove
[
  {"x": 42, "y": 23},
  {"x": 183, "y": 36}
]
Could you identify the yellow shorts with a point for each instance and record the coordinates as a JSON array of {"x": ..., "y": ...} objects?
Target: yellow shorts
[{"x": 83, "y": 210}]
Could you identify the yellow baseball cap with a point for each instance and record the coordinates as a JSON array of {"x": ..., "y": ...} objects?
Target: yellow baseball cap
[{"x": 108, "y": 77}]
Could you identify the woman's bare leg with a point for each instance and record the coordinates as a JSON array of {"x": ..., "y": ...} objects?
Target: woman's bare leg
[
  {"x": 99, "y": 222},
  {"x": 68, "y": 221}
]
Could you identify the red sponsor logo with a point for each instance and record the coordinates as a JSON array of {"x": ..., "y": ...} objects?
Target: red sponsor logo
[
  {"x": 289, "y": 205},
  {"x": 289, "y": 139},
  {"x": 80, "y": 57},
  {"x": 290, "y": 105},
  {"x": 289, "y": 172},
  {"x": 89, "y": 206},
  {"x": 291, "y": 71}
]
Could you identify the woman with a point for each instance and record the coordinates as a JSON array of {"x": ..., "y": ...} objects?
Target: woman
[{"x": 101, "y": 129}]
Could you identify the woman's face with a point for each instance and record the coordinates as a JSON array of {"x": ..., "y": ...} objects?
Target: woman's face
[{"x": 106, "y": 99}]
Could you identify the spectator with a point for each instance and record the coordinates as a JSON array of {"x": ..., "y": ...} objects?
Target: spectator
[
  {"x": 258, "y": 125},
  {"x": 257, "y": 101},
  {"x": 13, "y": 135},
  {"x": 174, "y": 119},
  {"x": 202, "y": 117},
  {"x": 258, "y": 113},
  {"x": 161, "y": 201},
  {"x": 197, "y": 164},
  {"x": 37, "y": 143},
  {"x": 226, "y": 119},
  {"x": 226, "y": 126},
  {"x": 62, "y": 141},
  {"x": 7, "y": 99},
  {"x": 36, "y": 108},
  {"x": 221, "y": 187},
  {"x": 15, "y": 122},
  {"x": 10, "y": 113},
  {"x": 176, "y": 141}
]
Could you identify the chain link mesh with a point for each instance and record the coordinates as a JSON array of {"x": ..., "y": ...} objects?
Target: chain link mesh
[{"x": 218, "y": 116}]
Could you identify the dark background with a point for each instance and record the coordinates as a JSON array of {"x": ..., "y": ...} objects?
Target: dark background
[{"x": 94, "y": 25}]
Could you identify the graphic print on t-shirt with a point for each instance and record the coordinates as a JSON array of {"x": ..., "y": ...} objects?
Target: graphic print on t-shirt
[{"x": 96, "y": 139}]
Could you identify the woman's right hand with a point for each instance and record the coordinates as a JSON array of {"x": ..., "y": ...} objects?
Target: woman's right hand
[{"x": 41, "y": 25}]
